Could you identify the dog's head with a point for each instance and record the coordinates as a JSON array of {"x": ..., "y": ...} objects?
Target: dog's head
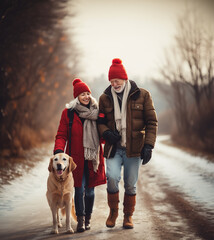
[{"x": 61, "y": 162}]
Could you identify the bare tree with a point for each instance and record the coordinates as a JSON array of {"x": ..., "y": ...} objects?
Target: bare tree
[
  {"x": 189, "y": 70},
  {"x": 195, "y": 45}
]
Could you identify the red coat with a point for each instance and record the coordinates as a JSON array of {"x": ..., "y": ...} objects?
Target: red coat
[{"x": 77, "y": 150}]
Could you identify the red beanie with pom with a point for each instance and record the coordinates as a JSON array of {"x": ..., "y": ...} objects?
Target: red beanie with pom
[
  {"x": 79, "y": 87},
  {"x": 117, "y": 70}
]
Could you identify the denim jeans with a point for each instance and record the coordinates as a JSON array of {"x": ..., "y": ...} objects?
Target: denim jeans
[
  {"x": 130, "y": 172},
  {"x": 84, "y": 196}
]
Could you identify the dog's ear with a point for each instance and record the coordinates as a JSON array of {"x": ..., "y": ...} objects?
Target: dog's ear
[
  {"x": 50, "y": 167},
  {"x": 72, "y": 164}
]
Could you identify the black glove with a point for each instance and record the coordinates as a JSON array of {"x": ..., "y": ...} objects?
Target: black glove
[
  {"x": 146, "y": 153},
  {"x": 111, "y": 137}
]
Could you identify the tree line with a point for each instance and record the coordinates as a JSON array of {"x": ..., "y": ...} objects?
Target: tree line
[
  {"x": 187, "y": 79},
  {"x": 38, "y": 61}
]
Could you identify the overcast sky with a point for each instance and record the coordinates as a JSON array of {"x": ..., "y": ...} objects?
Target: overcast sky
[{"x": 137, "y": 31}]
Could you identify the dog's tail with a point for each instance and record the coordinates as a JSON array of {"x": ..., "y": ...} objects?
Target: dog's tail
[
  {"x": 73, "y": 214},
  {"x": 63, "y": 211}
]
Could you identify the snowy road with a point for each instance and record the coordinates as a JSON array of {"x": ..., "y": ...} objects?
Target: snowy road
[
  {"x": 192, "y": 175},
  {"x": 175, "y": 200}
]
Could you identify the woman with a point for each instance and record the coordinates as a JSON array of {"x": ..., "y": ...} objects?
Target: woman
[{"x": 85, "y": 149}]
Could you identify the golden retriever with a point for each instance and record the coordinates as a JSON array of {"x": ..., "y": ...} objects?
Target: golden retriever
[{"x": 60, "y": 190}]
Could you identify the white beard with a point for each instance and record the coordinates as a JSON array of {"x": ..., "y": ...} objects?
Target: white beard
[{"x": 121, "y": 89}]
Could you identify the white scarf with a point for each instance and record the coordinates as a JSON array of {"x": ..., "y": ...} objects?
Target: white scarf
[{"x": 120, "y": 115}]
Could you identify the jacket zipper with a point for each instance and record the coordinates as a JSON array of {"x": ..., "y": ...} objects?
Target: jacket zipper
[{"x": 110, "y": 149}]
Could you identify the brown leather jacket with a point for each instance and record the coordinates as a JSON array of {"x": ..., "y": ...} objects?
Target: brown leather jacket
[{"x": 141, "y": 126}]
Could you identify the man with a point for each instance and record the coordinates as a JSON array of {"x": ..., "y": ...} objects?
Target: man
[{"x": 127, "y": 122}]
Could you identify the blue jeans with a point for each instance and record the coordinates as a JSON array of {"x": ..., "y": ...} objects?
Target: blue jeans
[
  {"x": 130, "y": 172},
  {"x": 84, "y": 196}
]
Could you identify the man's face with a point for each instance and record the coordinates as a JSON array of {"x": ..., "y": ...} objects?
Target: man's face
[{"x": 117, "y": 84}]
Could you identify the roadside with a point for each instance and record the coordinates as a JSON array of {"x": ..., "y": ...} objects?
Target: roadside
[
  {"x": 173, "y": 214},
  {"x": 194, "y": 152},
  {"x": 14, "y": 167}
]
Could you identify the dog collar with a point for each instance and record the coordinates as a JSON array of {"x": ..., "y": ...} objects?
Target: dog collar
[{"x": 61, "y": 179}]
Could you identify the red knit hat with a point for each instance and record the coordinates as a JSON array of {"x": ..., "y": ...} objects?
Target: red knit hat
[
  {"x": 117, "y": 70},
  {"x": 79, "y": 87}
]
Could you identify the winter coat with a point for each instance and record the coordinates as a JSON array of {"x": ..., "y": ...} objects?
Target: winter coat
[
  {"x": 77, "y": 150},
  {"x": 141, "y": 120}
]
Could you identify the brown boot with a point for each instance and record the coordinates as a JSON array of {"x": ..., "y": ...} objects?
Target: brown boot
[
  {"x": 113, "y": 201},
  {"x": 129, "y": 205},
  {"x": 87, "y": 222},
  {"x": 80, "y": 224}
]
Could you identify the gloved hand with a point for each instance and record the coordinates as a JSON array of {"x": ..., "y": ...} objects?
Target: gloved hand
[
  {"x": 58, "y": 151},
  {"x": 146, "y": 153},
  {"x": 111, "y": 137}
]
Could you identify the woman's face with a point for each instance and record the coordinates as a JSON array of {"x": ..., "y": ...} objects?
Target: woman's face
[{"x": 84, "y": 98}]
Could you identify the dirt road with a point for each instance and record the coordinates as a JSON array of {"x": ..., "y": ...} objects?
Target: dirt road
[{"x": 170, "y": 205}]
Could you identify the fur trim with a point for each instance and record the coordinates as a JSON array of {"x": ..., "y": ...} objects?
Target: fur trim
[{"x": 72, "y": 104}]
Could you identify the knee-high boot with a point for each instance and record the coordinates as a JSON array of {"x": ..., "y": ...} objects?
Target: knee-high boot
[
  {"x": 89, "y": 203},
  {"x": 129, "y": 207},
  {"x": 80, "y": 223},
  {"x": 113, "y": 202}
]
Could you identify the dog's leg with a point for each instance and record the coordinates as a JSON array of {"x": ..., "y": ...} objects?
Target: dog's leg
[
  {"x": 55, "y": 224},
  {"x": 68, "y": 218},
  {"x": 58, "y": 219}
]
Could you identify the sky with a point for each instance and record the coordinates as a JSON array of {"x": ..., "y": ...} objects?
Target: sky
[{"x": 136, "y": 31}]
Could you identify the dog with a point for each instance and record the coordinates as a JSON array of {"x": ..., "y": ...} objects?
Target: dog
[{"x": 60, "y": 185}]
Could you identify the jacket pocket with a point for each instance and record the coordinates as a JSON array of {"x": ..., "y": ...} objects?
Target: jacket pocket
[
  {"x": 137, "y": 141},
  {"x": 137, "y": 106},
  {"x": 137, "y": 110}
]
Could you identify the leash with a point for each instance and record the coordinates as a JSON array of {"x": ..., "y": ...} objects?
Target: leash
[{"x": 71, "y": 117}]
